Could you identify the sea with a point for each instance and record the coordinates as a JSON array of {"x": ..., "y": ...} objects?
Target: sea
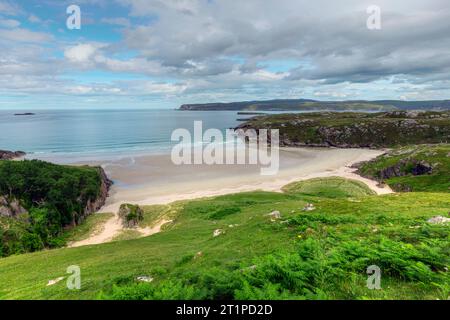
[{"x": 79, "y": 135}]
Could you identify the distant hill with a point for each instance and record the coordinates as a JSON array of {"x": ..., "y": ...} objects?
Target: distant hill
[{"x": 314, "y": 105}]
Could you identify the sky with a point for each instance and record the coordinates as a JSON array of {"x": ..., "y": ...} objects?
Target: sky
[{"x": 164, "y": 53}]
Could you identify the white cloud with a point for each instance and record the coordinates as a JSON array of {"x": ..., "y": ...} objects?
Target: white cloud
[
  {"x": 24, "y": 35},
  {"x": 202, "y": 50},
  {"x": 82, "y": 53},
  {"x": 9, "y": 23},
  {"x": 123, "y": 22},
  {"x": 34, "y": 19},
  {"x": 9, "y": 8}
]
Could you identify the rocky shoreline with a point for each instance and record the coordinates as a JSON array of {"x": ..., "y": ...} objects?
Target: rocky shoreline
[
  {"x": 10, "y": 155},
  {"x": 355, "y": 130}
]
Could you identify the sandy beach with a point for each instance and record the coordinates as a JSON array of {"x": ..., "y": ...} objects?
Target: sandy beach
[{"x": 154, "y": 179}]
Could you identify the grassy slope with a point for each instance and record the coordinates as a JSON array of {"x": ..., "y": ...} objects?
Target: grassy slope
[
  {"x": 436, "y": 155},
  {"x": 350, "y": 227}
]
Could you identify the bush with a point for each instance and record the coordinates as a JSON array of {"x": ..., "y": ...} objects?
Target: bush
[{"x": 168, "y": 290}]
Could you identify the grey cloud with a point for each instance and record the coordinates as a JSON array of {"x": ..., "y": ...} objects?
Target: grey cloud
[
  {"x": 221, "y": 49},
  {"x": 332, "y": 36}
]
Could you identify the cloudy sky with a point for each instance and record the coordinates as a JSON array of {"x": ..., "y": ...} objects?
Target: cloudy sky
[{"x": 162, "y": 53}]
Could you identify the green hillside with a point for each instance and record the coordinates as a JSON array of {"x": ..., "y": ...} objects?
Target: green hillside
[
  {"x": 318, "y": 254},
  {"x": 356, "y": 130},
  {"x": 412, "y": 168}
]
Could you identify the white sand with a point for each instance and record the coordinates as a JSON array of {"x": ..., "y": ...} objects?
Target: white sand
[{"x": 153, "y": 179}]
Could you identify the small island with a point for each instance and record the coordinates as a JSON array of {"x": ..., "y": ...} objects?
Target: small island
[{"x": 25, "y": 114}]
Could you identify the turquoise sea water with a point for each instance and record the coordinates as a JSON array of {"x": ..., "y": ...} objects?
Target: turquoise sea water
[{"x": 96, "y": 133}]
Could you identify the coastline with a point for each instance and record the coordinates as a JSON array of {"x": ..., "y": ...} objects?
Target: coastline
[{"x": 153, "y": 179}]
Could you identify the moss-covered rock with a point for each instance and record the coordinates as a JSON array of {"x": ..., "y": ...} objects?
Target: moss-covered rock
[{"x": 131, "y": 215}]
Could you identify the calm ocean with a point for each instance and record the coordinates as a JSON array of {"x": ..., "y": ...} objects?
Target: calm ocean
[{"x": 89, "y": 134}]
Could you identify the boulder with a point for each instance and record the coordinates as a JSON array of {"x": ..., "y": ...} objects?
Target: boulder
[
  {"x": 144, "y": 279},
  {"x": 217, "y": 232},
  {"x": 275, "y": 215},
  {"x": 309, "y": 207},
  {"x": 439, "y": 220}
]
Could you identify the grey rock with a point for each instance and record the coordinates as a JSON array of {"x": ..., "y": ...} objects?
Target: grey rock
[
  {"x": 309, "y": 207},
  {"x": 10, "y": 207},
  {"x": 439, "y": 220},
  {"x": 10, "y": 155},
  {"x": 275, "y": 215}
]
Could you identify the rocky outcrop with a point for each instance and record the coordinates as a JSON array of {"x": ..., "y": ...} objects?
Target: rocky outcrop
[
  {"x": 10, "y": 207},
  {"x": 106, "y": 183},
  {"x": 406, "y": 167},
  {"x": 95, "y": 205},
  {"x": 402, "y": 168},
  {"x": 355, "y": 130},
  {"x": 439, "y": 220},
  {"x": 10, "y": 155},
  {"x": 131, "y": 215}
]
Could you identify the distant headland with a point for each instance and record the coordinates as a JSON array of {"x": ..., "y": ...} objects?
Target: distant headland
[{"x": 315, "y": 105}]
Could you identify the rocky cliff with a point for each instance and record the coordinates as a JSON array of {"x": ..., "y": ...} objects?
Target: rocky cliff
[{"x": 94, "y": 206}]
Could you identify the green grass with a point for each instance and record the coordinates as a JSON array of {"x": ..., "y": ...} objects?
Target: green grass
[
  {"x": 127, "y": 234},
  {"x": 438, "y": 156},
  {"x": 322, "y": 254},
  {"x": 334, "y": 187}
]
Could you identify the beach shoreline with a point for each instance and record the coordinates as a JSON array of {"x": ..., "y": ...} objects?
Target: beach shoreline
[{"x": 154, "y": 179}]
